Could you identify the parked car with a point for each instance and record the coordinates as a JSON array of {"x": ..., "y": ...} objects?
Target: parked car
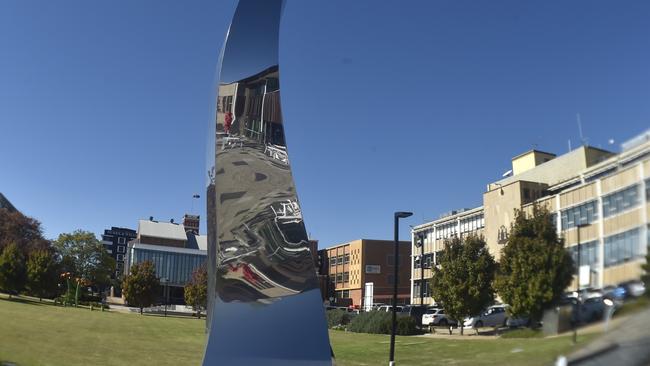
[
  {"x": 633, "y": 288},
  {"x": 493, "y": 316},
  {"x": 592, "y": 309},
  {"x": 437, "y": 317},
  {"x": 522, "y": 321},
  {"x": 389, "y": 308}
]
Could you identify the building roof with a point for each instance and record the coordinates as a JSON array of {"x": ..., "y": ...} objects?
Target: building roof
[
  {"x": 165, "y": 230},
  {"x": 164, "y": 248},
  {"x": 444, "y": 219},
  {"x": 4, "y": 203}
]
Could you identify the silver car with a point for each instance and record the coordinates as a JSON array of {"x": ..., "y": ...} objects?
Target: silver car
[{"x": 494, "y": 316}]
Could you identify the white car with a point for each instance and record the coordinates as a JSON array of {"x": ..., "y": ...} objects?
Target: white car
[
  {"x": 389, "y": 308},
  {"x": 493, "y": 316},
  {"x": 436, "y": 317}
]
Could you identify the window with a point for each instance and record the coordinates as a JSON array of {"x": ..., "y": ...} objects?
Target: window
[
  {"x": 390, "y": 259},
  {"x": 647, "y": 190},
  {"x": 416, "y": 288},
  {"x": 120, "y": 265},
  {"x": 346, "y": 276},
  {"x": 120, "y": 257},
  {"x": 391, "y": 279},
  {"x": 121, "y": 249},
  {"x": 502, "y": 236},
  {"x": 622, "y": 247},
  {"x": 346, "y": 259},
  {"x": 339, "y": 278},
  {"x": 620, "y": 201},
  {"x": 345, "y": 294},
  {"x": 588, "y": 253},
  {"x": 121, "y": 240},
  {"x": 585, "y": 213}
]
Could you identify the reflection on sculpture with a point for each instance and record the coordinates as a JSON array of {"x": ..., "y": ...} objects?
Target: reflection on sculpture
[{"x": 264, "y": 300}]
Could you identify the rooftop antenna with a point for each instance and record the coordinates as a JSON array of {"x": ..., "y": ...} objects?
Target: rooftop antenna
[{"x": 582, "y": 138}]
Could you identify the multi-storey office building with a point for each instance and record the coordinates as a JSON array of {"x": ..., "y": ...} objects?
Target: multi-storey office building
[
  {"x": 361, "y": 272},
  {"x": 606, "y": 194},
  {"x": 115, "y": 241},
  {"x": 175, "y": 252},
  {"x": 429, "y": 239}
]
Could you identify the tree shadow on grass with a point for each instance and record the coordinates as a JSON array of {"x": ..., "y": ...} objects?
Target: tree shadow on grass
[{"x": 23, "y": 300}]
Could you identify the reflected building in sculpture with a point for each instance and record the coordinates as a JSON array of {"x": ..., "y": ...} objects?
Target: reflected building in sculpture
[{"x": 261, "y": 271}]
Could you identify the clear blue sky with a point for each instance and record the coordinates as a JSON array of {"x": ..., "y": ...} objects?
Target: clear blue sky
[{"x": 410, "y": 105}]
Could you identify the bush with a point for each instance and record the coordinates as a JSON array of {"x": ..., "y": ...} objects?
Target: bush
[
  {"x": 337, "y": 317},
  {"x": 406, "y": 326},
  {"x": 379, "y": 322},
  {"x": 374, "y": 322}
]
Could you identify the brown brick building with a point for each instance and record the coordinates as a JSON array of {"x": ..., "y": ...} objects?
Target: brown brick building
[{"x": 352, "y": 265}]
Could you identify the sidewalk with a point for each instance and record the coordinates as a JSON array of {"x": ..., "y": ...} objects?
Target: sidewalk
[{"x": 626, "y": 343}]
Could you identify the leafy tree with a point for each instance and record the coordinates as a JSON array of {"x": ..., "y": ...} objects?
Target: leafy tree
[
  {"x": 463, "y": 282},
  {"x": 196, "y": 291},
  {"x": 535, "y": 267},
  {"x": 85, "y": 257},
  {"x": 141, "y": 285},
  {"x": 21, "y": 230},
  {"x": 42, "y": 273},
  {"x": 646, "y": 276},
  {"x": 12, "y": 269}
]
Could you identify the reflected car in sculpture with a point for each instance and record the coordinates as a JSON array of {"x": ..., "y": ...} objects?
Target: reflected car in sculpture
[{"x": 264, "y": 299}]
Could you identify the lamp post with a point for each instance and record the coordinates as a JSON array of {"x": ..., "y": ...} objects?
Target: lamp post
[
  {"x": 575, "y": 323},
  {"x": 398, "y": 215},
  {"x": 164, "y": 281}
]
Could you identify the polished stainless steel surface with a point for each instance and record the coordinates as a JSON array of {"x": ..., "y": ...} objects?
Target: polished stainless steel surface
[{"x": 264, "y": 300}]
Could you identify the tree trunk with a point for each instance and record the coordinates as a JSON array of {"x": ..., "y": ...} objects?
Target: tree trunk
[
  {"x": 460, "y": 325},
  {"x": 140, "y": 311}
]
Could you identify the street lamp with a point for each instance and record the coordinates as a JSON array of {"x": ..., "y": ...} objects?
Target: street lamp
[
  {"x": 398, "y": 215},
  {"x": 165, "y": 281},
  {"x": 575, "y": 323}
]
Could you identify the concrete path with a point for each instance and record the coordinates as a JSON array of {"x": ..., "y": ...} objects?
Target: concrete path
[{"x": 627, "y": 343}]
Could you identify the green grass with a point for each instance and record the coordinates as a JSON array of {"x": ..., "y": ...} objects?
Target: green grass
[
  {"x": 32, "y": 333},
  {"x": 523, "y": 333}
]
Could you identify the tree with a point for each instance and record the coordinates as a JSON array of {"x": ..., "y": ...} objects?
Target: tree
[
  {"x": 141, "y": 285},
  {"x": 42, "y": 273},
  {"x": 12, "y": 269},
  {"x": 463, "y": 281},
  {"x": 21, "y": 230},
  {"x": 646, "y": 276},
  {"x": 85, "y": 257},
  {"x": 196, "y": 291},
  {"x": 535, "y": 267}
]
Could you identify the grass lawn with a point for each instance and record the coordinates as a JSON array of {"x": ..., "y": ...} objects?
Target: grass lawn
[{"x": 42, "y": 334}]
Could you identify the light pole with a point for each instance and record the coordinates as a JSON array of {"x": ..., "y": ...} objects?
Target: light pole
[
  {"x": 398, "y": 215},
  {"x": 164, "y": 281},
  {"x": 575, "y": 323}
]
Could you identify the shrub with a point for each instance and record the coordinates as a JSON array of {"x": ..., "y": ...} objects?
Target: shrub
[
  {"x": 374, "y": 322},
  {"x": 337, "y": 317},
  {"x": 406, "y": 326}
]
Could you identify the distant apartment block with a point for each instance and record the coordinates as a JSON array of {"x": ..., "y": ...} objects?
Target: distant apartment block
[
  {"x": 115, "y": 241},
  {"x": 362, "y": 271},
  {"x": 608, "y": 192}
]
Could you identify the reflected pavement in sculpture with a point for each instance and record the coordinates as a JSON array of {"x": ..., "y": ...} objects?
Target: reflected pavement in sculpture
[{"x": 264, "y": 302}]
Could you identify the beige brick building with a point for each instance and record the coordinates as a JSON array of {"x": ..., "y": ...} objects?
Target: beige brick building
[{"x": 606, "y": 194}]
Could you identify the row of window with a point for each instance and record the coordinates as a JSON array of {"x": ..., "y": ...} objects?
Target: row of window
[
  {"x": 175, "y": 267},
  {"x": 417, "y": 287},
  {"x": 622, "y": 247},
  {"x": 428, "y": 259},
  {"x": 588, "y": 254},
  {"x": 585, "y": 213},
  {"x": 340, "y": 277},
  {"x": 340, "y": 259},
  {"x": 472, "y": 223},
  {"x": 620, "y": 201}
]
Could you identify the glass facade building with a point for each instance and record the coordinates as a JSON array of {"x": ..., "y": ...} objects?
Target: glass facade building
[{"x": 174, "y": 264}]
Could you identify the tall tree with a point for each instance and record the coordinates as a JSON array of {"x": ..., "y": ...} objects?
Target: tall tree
[
  {"x": 535, "y": 268},
  {"x": 12, "y": 269},
  {"x": 21, "y": 230},
  {"x": 42, "y": 273},
  {"x": 463, "y": 281},
  {"x": 196, "y": 291},
  {"x": 85, "y": 257},
  {"x": 141, "y": 286}
]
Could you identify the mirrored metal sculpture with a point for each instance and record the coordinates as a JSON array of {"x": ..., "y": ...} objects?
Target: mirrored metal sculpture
[{"x": 264, "y": 301}]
